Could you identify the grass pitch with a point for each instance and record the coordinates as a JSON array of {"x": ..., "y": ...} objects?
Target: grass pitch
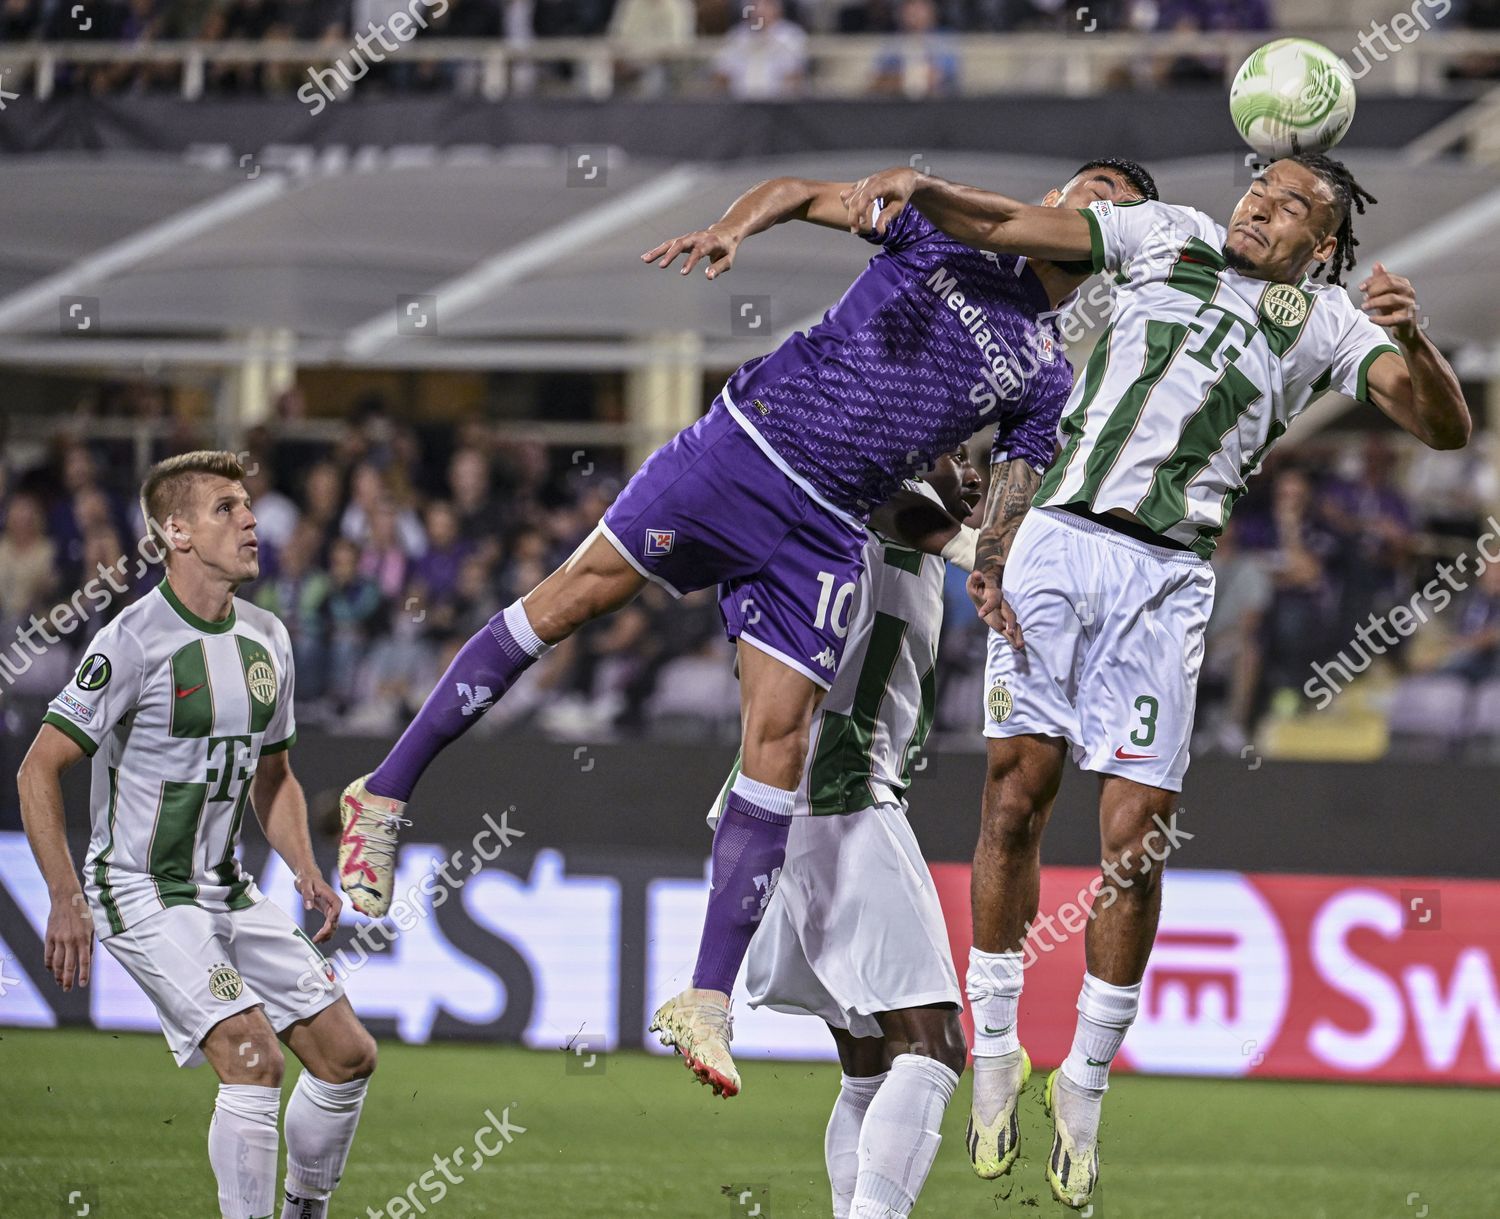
[{"x": 108, "y": 1119}]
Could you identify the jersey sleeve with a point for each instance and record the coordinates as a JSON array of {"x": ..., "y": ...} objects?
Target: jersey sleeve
[
  {"x": 1029, "y": 432},
  {"x": 105, "y": 689},
  {"x": 1121, "y": 232},
  {"x": 1361, "y": 344},
  {"x": 281, "y": 732},
  {"x": 908, "y": 228}
]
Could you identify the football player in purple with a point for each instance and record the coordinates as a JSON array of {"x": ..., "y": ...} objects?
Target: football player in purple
[{"x": 767, "y": 496}]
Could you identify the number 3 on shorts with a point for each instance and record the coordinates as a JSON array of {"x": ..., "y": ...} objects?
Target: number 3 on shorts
[{"x": 1146, "y": 733}]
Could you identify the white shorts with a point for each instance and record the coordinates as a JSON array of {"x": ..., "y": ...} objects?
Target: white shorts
[
  {"x": 854, "y": 926},
  {"x": 199, "y": 967},
  {"x": 1113, "y": 632}
]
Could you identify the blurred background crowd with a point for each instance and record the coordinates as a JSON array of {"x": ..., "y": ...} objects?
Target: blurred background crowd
[
  {"x": 764, "y": 51},
  {"x": 385, "y": 548}
]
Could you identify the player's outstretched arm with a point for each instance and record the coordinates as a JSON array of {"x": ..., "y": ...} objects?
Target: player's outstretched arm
[
  {"x": 761, "y": 207},
  {"x": 70, "y": 929},
  {"x": 978, "y": 218},
  {"x": 281, "y": 806},
  {"x": 1013, "y": 484},
  {"x": 914, "y": 520},
  {"x": 1418, "y": 389}
]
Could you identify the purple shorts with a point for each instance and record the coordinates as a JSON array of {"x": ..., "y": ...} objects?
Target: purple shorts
[{"x": 711, "y": 508}]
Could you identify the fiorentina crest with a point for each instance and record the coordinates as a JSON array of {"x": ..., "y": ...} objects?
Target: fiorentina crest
[{"x": 660, "y": 541}]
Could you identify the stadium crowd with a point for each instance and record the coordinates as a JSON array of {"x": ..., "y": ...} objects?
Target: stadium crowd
[
  {"x": 764, "y": 52},
  {"x": 385, "y": 549}
]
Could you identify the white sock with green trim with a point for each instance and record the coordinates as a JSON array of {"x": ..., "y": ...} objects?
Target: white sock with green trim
[
  {"x": 994, "y": 989},
  {"x": 242, "y": 1149},
  {"x": 1105, "y": 1014}
]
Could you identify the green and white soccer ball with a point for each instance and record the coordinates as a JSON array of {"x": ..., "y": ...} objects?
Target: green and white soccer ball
[{"x": 1292, "y": 95}]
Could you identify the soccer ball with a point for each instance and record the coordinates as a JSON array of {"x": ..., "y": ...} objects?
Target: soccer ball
[{"x": 1292, "y": 95}]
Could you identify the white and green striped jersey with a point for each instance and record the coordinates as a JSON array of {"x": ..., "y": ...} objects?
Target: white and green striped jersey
[
  {"x": 1198, "y": 374},
  {"x": 871, "y": 725},
  {"x": 176, "y": 713}
]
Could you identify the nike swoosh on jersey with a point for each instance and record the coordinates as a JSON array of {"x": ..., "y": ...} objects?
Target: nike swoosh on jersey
[
  {"x": 1131, "y": 757},
  {"x": 191, "y": 690},
  {"x": 997, "y": 1032}
]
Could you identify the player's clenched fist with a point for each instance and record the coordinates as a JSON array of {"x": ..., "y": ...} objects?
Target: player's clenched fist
[
  {"x": 893, "y": 187},
  {"x": 713, "y": 243},
  {"x": 1391, "y": 301}
]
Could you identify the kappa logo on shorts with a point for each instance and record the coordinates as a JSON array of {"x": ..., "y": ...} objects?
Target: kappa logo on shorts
[
  {"x": 826, "y": 658},
  {"x": 999, "y": 703},
  {"x": 660, "y": 541},
  {"x": 225, "y": 983}
]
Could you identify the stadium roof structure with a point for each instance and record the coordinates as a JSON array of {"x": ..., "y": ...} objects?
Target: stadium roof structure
[{"x": 533, "y": 263}]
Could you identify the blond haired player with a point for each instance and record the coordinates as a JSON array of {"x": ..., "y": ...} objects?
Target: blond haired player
[
  {"x": 184, "y": 703},
  {"x": 1221, "y": 335}
]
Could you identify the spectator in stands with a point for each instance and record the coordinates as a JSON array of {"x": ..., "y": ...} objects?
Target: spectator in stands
[
  {"x": 658, "y": 24},
  {"x": 84, "y": 502},
  {"x": 384, "y": 559},
  {"x": 482, "y": 520},
  {"x": 28, "y": 561},
  {"x": 298, "y": 594},
  {"x": 1232, "y": 643},
  {"x": 323, "y": 498},
  {"x": 20, "y": 19},
  {"x": 1373, "y": 527},
  {"x": 354, "y": 605},
  {"x": 437, "y": 571},
  {"x": 921, "y": 61},
  {"x": 1298, "y": 625},
  {"x": 764, "y": 57},
  {"x": 372, "y": 489},
  {"x": 276, "y": 516},
  {"x": 1206, "y": 16},
  {"x": 1475, "y": 651},
  {"x": 1481, "y": 16}
]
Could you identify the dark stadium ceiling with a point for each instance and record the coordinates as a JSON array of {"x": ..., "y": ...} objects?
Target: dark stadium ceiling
[{"x": 204, "y": 267}]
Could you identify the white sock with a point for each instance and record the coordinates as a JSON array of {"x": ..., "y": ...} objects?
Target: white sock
[
  {"x": 320, "y": 1122},
  {"x": 521, "y": 629},
  {"x": 242, "y": 1149},
  {"x": 841, "y": 1142},
  {"x": 994, "y": 990},
  {"x": 900, "y": 1136},
  {"x": 1105, "y": 1014}
]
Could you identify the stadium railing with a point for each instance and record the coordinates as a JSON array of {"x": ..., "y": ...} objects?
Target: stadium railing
[{"x": 1074, "y": 65}]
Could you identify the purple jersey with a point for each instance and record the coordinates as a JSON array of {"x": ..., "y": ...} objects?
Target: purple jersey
[{"x": 931, "y": 343}]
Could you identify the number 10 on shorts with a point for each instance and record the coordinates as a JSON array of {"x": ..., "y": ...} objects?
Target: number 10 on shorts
[{"x": 833, "y": 608}]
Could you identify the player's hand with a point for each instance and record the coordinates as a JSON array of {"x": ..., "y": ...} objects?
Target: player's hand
[
  {"x": 984, "y": 591},
  {"x": 70, "y": 941},
  {"x": 1391, "y": 301},
  {"x": 712, "y": 243},
  {"x": 893, "y": 187},
  {"x": 317, "y": 895}
]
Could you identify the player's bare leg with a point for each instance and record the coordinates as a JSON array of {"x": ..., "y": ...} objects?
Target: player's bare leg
[
  {"x": 338, "y": 1057},
  {"x": 1021, "y": 782},
  {"x": 901, "y": 1132},
  {"x": 776, "y": 707},
  {"x": 242, "y": 1142},
  {"x": 1117, "y": 945},
  {"x": 865, "y": 1064},
  {"x": 596, "y": 580}
]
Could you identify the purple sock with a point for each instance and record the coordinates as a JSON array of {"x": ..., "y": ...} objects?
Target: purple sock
[
  {"x": 484, "y": 669},
  {"x": 749, "y": 849}
]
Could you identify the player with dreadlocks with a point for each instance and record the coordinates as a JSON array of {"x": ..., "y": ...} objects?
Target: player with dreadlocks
[{"x": 1220, "y": 337}]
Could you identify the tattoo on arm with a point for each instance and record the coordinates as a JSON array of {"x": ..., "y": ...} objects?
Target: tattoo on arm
[{"x": 1012, "y": 485}]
